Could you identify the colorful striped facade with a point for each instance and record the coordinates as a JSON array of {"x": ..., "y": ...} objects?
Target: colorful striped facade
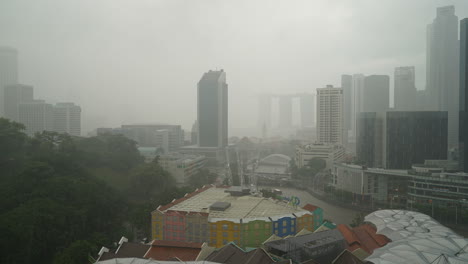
[{"x": 168, "y": 224}]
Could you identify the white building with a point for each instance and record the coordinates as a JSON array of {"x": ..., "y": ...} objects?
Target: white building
[
  {"x": 8, "y": 72},
  {"x": 330, "y": 115},
  {"x": 37, "y": 116},
  {"x": 67, "y": 118},
  {"x": 182, "y": 166},
  {"x": 329, "y": 152}
]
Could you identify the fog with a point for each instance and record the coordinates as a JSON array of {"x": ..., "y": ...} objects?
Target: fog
[{"x": 140, "y": 61}]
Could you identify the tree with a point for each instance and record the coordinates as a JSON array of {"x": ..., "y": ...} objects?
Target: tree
[
  {"x": 202, "y": 177},
  {"x": 150, "y": 179},
  {"x": 77, "y": 253}
]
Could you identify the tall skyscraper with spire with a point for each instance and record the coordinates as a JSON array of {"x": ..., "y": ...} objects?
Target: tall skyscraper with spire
[
  {"x": 8, "y": 72},
  {"x": 442, "y": 68},
  {"x": 213, "y": 110}
]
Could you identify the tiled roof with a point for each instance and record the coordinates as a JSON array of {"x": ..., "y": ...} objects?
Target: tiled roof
[
  {"x": 232, "y": 254},
  {"x": 310, "y": 207},
  {"x": 167, "y": 250},
  {"x": 131, "y": 250},
  {"x": 363, "y": 236},
  {"x": 187, "y": 196}
]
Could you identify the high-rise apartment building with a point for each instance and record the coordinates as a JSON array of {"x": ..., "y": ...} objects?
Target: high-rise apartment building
[
  {"x": 264, "y": 111},
  {"x": 14, "y": 95},
  {"x": 8, "y": 72},
  {"x": 67, "y": 118},
  {"x": 330, "y": 115},
  {"x": 442, "y": 68},
  {"x": 463, "y": 135},
  {"x": 37, "y": 116},
  {"x": 405, "y": 92},
  {"x": 376, "y": 93},
  {"x": 212, "y": 114}
]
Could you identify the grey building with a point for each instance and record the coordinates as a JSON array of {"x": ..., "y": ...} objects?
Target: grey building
[
  {"x": 398, "y": 139},
  {"x": 37, "y": 116},
  {"x": 405, "y": 92},
  {"x": 376, "y": 94},
  {"x": 285, "y": 111},
  {"x": 412, "y": 137},
  {"x": 442, "y": 68},
  {"x": 347, "y": 86},
  {"x": 14, "y": 95},
  {"x": 67, "y": 118},
  {"x": 8, "y": 72},
  {"x": 463, "y": 135},
  {"x": 307, "y": 106},
  {"x": 212, "y": 114},
  {"x": 369, "y": 139},
  {"x": 167, "y": 137}
]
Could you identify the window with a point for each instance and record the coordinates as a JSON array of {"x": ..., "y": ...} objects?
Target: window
[
  {"x": 236, "y": 227},
  {"x": 225, "y": 234},
  {"x": 225, "y": 227},
  {"x": 256, "y": 226},
  {"x": 276, "y": 225},
  {"x": 284, "y": 230},
  {"x": 225, "y": 241},
  {"x": 284, "y": 223},
  {"x": 236, "y": 234},
  {"x": 267, "y": 226}
]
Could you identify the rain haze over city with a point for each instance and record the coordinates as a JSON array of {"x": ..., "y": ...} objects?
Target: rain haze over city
[{"x": 233, "y": 131}]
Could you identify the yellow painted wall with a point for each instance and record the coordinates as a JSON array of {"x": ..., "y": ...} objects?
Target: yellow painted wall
[{"x": 157, "y": 223}]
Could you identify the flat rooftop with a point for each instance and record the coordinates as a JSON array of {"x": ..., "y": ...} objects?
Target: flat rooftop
[{"x": 247, "y": 207}]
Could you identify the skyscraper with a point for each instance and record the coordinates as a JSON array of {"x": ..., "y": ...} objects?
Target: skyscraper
[
  {"x": 399, "y": 139},
  {"x": 14, "y": 95},
  {"x": 8, "y": 72},
  {"x": 213, "y": 109},
  {"x": 330, "y": 115},
  {"x": 376, "y": 93},
  {"x": 405, "y": 93},
  {"x": 37, "y": 116},
  {"x": 442, "y": 68},
  {"x": 357, "y": 100},
  {"x": 285, "y": 111},
  {"x": 264, "y": 111},
  {"x": 307, "y": 105},
  {"x": 67, "y": 118},
  {"x": 463, "y": 158},
  {"x": 347, "y": 86}
]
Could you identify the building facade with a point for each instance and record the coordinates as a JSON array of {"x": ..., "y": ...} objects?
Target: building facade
[
  {"x": 442, "y": 61},
  {"x": 398, "y": 139},
  {"x": 216, "y": 216},
  {"x": 182, "y": 166},
  {"x": 376, "y": 93},
  {"x": 405, "y": 92},
  {"x": 36, "y": 116},
  {"x": 166, "y": 137},
  {"x": 330, "y": 115},
  {"x": 463, "y": 116},
  {"x": 15, "y": 95},
  {"x": 212, "y": 114},
  {"x": 412, "y": 137},
  {"x": 67, "y": 118},
  {"x": 331, "y": 153},
  {"x": 8, "y": 72}
]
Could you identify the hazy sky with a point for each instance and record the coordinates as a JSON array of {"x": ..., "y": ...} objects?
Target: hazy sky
[{"x": 139, "y": 60}]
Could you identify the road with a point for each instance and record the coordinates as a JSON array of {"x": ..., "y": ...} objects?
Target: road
[{"x": 336, "y": 214}]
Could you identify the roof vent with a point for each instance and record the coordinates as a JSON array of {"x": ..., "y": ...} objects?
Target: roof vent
[{"x": 220, "y": 206}]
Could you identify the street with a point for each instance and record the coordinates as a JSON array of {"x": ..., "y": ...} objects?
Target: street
[{"x": 336, "y": 214}]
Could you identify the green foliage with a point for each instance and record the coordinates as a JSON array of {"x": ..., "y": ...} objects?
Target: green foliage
[
  {"x": 54, "y": 208},
  {"x": 307, "y": 173},
  {"x": 76, "y": 253},
  {"x": 357, "y": 220},
  {"x": 202, "y": 177}
]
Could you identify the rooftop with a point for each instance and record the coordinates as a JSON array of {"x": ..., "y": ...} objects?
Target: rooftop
[
  {"x": 247, "y": 207},
  {"x": 166, "y": 250}
]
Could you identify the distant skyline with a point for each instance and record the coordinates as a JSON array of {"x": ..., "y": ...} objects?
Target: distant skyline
[{"x": 136, "y": 62}]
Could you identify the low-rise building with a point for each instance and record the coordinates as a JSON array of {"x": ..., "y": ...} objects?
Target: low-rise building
[
  {"x": 331, "y": 153},
  {"x": 219, "y": 216},
  {"x": 182, "y": 166}
]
